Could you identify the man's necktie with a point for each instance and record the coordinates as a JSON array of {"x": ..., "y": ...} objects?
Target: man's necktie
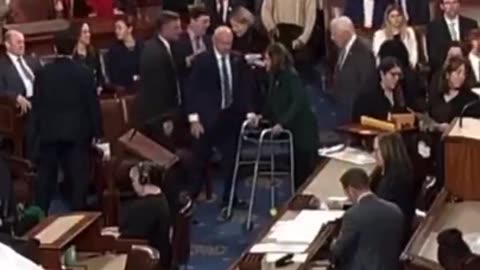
[
  {"x": 341, "y": 58},
  {"x": 25, "y": 70},
  {"x": 453, "y": 31},
  {"x": 227, "y": 97}
]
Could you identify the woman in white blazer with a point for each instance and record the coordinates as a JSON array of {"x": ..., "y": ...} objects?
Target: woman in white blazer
[{"x": 395, "y": 26}]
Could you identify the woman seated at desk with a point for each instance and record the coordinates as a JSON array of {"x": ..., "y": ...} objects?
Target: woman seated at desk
[
  {"x": 446, "y": 103},
  {"x": 415, "y": 94},
  {"x": 123, "y": 58},
  {"x": 452, "y": 94},
  {"x": 397, "y": 183},
  {"x": 85, "y": 53},
  {"x": 387, "y": 97}
]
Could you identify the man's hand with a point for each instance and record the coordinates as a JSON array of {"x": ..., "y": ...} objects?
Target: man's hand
[
  {"x": 23, "y": 104},
  {"x": 168, "y": 127},
  {"x": 277, "y": 129},
  {"x": 442, "y": 127},
  {"x": 297, "y": 44},
  {"x": 196, "y": 128}
]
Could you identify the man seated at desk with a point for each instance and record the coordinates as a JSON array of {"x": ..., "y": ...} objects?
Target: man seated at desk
[{"x": 371, "y": 233}]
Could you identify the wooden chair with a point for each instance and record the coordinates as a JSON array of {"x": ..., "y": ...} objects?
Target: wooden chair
[
  {"x": 23, "y": 176},
  {"x": 12, "y": 124}
]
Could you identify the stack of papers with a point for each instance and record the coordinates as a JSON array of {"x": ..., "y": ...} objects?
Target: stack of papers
[
  {"x": 294, "y": 236},
  {"x": 349, "y": 154}
]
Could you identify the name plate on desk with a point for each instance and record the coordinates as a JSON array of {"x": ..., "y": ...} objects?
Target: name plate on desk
[{"x": 57, "y": 228}]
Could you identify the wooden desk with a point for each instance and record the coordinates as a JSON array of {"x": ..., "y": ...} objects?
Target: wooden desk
[
  {"x": 82, "y": 229},
  {"x": 323, "y": 183},
  {"x": 446, "y": 212}
]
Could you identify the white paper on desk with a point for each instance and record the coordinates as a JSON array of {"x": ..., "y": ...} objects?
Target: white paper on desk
[
  {"x": 278, "y": 248},
  {"x": 57, "y": 228},
  {"x": 351, "y": 155},
  {"x": 305, "y": 227},
  {"x": 470, "y": 129},
  {"x": 297, "y": 258}
]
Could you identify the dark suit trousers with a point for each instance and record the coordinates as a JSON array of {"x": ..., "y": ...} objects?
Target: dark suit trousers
[
  {"x": 305, "y": 162},
  {"x": 149, "y": 218},
  {"x": 223, "y": 135},
  {"x": 73, "y": 158}
]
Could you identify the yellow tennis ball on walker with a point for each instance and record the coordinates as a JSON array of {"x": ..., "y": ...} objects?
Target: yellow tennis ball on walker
[{"x": 273, "y": 212}]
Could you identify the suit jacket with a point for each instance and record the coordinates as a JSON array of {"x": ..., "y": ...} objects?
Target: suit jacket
[
  {"x": 65, "y": 103},
  {"x": 158, "y": 93},
  {"x": 204, "y": 92},
  {"x": 370, "y": 237},
  {"x": 216, "y": 18},
  {"x": 10, "y": 81},
  {"x": 439, "y": 39},
  {"x": 354, "y": 10},
  {"x": 183, "y": 49},
  {"x": 288, "y": 104},
  {"x": 352, "y": 78}
]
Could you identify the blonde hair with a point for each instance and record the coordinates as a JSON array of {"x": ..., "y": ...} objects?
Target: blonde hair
[
  {"x": 243, "y": 16},
  {"x": 386, "y": 22}
]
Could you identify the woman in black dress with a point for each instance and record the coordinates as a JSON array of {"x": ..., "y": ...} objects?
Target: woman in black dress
[
  {"x": 86, "y": 53},
  {"x": 447, "y": 102},
  {"x": 397, "y": 184},
  {"x": 123, "y": 58}
]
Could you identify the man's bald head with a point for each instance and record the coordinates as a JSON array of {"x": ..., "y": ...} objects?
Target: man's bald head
[
  {"x": 15, "y": 42},
  {"x": 223, "y": 39},
  {"x": 342, "y": 30}
]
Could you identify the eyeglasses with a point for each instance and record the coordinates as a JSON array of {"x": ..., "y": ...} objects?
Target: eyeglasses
[{"x": 396, "y": 74}]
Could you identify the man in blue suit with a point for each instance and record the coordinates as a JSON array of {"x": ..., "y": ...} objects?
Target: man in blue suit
[{"x": 217, "y": 100}]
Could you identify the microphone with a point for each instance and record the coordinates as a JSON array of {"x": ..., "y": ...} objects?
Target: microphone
[
  {"x": 465, "y": 109},
  {"x": 150, "y": 121}
]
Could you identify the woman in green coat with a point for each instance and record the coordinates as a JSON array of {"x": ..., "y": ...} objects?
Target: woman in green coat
[{"x": 288, "y": 107}]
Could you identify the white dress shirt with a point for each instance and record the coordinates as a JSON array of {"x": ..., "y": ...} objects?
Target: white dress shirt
[
  {"x": 368, "y": 7},
  {"x": 28, "y": 84},
  {"x": 475, "y": 63},
  {"x": 226, "y": 4},
  {"x": 409, "y": 40},
  {"x": 455, "y": 24},
  {"x": 11, "y": 260},
  {"x": 166, "y": 44},
  {"x": 193, "y": 40},
  {"x": 346, "y": 51}
]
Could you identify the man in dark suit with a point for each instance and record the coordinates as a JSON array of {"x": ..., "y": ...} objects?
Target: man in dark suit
[
  {"x": 193, "y": 41},
  {"x": 219, "y": 11},
  {"x": 67, "y": 119},
  {"x": 445, "y": 29},
  {"x": 217, "y": 100},
  {"x": 159, "y": 94},
  {"x": 372, "y": 229},
  {"x": 355, "y": 65},
  {"x": 17, "y": 75}
]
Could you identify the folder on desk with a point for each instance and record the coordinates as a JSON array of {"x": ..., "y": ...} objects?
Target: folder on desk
[{"x": 139, "y": 144}]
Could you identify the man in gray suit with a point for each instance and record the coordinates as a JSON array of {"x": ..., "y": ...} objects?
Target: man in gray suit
[
  {"x": 355, "y": 65},
  {"x": 371, "y": 233}
]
